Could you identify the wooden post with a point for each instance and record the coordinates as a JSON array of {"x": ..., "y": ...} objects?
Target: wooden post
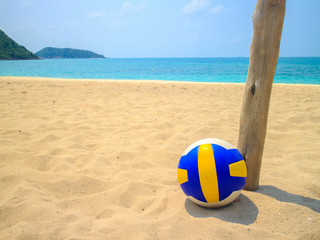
[{"x": 267, "y": 21}]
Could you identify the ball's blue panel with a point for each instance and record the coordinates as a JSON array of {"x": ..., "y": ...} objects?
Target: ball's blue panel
[
  {"x": 183, "y": 164},
  {"x": 190, "y": 163},
  {"x": 223, "y": 173},
  {"x": 185, "y": 188},
  {"x": 237, "y": 182},
  {"x": 234, "y": 156},
  {"x": 193, "y": 172}
]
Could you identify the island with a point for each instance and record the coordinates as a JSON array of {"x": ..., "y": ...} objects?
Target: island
[
  {"x": 10, "y": 50},
  {"x": 51, "y": 52}
]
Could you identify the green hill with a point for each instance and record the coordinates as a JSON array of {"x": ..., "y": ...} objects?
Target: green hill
[
  {"x": 50, "y": 52},
  {"x": 10, "y": 50}
]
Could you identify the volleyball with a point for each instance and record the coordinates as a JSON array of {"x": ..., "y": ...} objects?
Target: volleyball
[{"x": 212, "y": 172}]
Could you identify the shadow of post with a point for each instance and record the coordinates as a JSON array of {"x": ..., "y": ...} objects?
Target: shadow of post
[
  {"x": 283, "y": 196},
  {"x": 242, "y": 211}
]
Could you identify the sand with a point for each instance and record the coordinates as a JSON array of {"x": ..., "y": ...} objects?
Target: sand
[{"x": 89, "y": 159}]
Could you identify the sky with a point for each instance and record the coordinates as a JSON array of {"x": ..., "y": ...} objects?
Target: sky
[{"x": 155, "y": 28}]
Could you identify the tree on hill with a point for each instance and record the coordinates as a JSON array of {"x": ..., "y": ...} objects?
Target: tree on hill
[
  {"x": 10, "y": 50},
  {"x": 50, "y": 52}
]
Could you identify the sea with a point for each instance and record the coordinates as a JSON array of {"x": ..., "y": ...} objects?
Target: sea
[{"x": 293, "y": 70}]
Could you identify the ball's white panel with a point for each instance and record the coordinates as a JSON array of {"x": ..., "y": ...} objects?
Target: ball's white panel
[
  {"x": 217, "y": 141},
  {"x": 224, "y": 202}
]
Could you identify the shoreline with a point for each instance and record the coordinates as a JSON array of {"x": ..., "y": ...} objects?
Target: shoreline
[{"x": 136, "y": 80}]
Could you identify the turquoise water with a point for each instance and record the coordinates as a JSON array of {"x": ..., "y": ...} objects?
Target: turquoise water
[{"x": 289, "y": 70}]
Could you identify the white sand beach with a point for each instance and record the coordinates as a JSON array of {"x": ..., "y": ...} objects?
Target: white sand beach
[{"x": 97, "y": 159}]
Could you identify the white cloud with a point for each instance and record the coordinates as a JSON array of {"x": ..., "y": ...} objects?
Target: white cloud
[
  {"x": 26, "y": 3},
  {"x": 141, "y": 6},
  {"x": 117, "y": 23},
  {"x": 195, "y": 6},
  {"x": 94, "y": 14},
  {"x": 216, "y": 9},
  {"x": 119, "y": 18},
  {"x": 201, "y": 6},
  {"x": 126, "y": 5},
  {"x": 130, "y": 7}
]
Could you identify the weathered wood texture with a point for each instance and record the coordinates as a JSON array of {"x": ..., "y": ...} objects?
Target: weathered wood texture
[{"x": 267, "y": 21}]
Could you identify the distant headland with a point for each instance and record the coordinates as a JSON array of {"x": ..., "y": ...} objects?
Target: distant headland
[
  {"x": 10, "y": 50},
  {"x": 51, "y": 52}
]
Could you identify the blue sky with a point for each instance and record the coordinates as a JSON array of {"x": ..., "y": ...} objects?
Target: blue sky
[{"x": 155, "y": 28}]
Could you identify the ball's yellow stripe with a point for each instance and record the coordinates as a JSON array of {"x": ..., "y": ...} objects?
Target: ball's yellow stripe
[
  {"x": 238, "y": 169},
  {"x": 207, "y": 173},
  {"x": 182, "y": 175}
]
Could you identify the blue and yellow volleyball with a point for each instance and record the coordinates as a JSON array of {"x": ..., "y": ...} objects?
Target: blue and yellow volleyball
[{"x": 212, "y": 172}]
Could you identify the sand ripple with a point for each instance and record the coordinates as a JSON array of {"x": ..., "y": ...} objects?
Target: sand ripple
[{"x": 97, "y": 160}]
